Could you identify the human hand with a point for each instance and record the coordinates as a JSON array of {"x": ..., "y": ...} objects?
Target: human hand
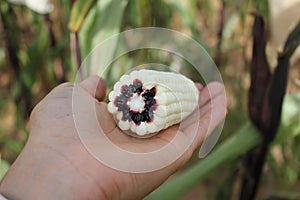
[{"x": 54, "y": 163}]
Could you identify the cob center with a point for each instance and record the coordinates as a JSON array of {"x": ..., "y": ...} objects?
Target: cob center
[{"x": 136, "y": 103}]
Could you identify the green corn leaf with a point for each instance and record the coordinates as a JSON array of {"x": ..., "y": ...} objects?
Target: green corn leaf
[
  {"x": 103, "y": 21},
  {"x": 78, "y": 13},
  {"x": 4, "y": 166}
]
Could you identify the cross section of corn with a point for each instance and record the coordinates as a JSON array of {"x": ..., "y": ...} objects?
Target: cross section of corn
[{"x": 147, "y": 101}]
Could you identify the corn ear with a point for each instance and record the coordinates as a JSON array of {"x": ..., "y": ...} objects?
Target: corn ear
[{"x": 145, "y": 102}]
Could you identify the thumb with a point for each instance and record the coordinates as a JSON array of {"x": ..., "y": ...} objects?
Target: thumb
[{"x": 95, "y": 86}]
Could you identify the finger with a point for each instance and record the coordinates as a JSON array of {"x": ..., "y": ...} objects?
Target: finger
[
  {"x": 219, "y": 100},
  {"x": 212, "y": 118},
  {"x": 208, "y": 96},
  {"x": 95, "y": 86},
  {"x": 216, "y": 112},
  {"x": 210, "y": 91},
  {"x": 199, "y": 86}
]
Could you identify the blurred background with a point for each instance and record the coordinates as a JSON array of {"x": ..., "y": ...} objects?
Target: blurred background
[{"x": 253, "y": 43}]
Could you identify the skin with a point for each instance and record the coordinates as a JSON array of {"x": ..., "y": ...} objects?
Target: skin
[{"x": 54, "y": 164}]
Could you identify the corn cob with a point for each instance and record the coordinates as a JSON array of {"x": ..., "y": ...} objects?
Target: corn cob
[{"x": 147, "y": 101}]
